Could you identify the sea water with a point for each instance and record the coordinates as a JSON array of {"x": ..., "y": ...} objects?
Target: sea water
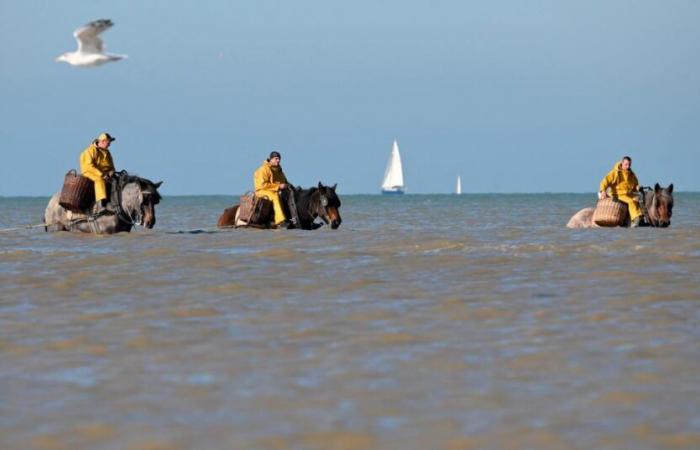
[{"x": 456, "y": 322}]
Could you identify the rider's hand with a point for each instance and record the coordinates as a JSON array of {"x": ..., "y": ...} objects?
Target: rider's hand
[
  {"x": 602, "y": 195},
  {"x": 283, "y": 186}
]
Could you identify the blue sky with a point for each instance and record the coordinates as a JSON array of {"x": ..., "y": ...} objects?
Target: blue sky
[{"x": 516, "y": 96}]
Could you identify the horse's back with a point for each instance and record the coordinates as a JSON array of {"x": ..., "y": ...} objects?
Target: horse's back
[
  {"x": 582, "y": 219},
  {"x": 228, "y": 218}
]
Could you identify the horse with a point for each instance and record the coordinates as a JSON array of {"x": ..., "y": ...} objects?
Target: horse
[
  {"x": 316, "y": 202},
  {"x": 658, "y": 208},
  {"x": 133, "y": 201}
]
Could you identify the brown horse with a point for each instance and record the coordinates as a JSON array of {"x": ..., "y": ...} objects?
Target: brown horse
[
  {"x": 133, "y": 201},
  {"x": 658, "y": 206},
  {"x": 318, "y": 202}
]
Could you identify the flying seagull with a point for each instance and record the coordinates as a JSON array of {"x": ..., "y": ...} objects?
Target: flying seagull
[{"x": 90, "y": 47}]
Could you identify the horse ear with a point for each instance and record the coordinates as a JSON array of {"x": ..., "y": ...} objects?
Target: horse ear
[
  {"x": 157, "y": 185},
  {"x": 334, "y": 186},
  {"x": 670, "y": 188},
  {"x": 320, "y": 185},
  {"x": 657, "y": 187}
]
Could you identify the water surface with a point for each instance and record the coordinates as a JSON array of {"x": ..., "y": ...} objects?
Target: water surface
[{"x": 477, "y": 321}]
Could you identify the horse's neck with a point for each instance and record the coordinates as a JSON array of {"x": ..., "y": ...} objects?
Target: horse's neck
[
  {"x": 304, "y": 204},
  {"x": 650, "y": 201},
  {"x": 131, "y": 199}
]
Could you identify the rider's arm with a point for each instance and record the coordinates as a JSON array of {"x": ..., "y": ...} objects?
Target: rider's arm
[
  {"x": 263, "y": 180},
  {"x": 284, "y": 181},
  {"x": 607, "y": 181},
  {"x": 87, "y": 163}
]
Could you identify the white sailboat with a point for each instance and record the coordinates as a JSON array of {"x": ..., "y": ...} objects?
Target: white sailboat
[
  {"x": 458, "y": 189},
  {"x": 393, "y": 176}
]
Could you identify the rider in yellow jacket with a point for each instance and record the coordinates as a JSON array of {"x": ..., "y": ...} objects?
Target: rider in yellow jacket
[
  {"x": 96, "y": 164},
  {"x": 270, "y": 181},
  {"x": 623, "y": 183}
]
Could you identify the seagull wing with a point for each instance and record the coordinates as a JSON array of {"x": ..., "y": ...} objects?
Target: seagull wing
[{"x": 88, "y": 36}]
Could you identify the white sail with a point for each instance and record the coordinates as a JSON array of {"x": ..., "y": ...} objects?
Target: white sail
[
  {"x": 393, "y": 176},
  {"x": 458, "y": 190}
]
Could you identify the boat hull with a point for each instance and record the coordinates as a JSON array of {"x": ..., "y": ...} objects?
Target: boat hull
[{"x": 396, "y": 192}]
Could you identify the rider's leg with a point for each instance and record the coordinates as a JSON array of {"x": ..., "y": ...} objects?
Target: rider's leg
[
  {"x": 634, "y": 209},
  {"x": 274, "y": 197},
  {"x": 100, "y": 191}
]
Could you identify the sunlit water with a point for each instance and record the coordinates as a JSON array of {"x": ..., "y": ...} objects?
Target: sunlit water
[{"x": 424, "y": 322}]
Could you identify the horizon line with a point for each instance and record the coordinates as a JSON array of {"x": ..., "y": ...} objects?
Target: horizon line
[{"x": 379, "y": 194}]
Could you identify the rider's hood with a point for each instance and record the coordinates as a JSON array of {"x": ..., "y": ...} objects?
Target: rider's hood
[
  {"x": 618, "y": 167},
  {"x": 271, "y": 167}
]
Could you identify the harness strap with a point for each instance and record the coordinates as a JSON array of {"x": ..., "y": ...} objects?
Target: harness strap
[
  {"x": 118, "y": 184},
  {"x": 293, "y": 207},
  {"x": 643, "y": 203}
]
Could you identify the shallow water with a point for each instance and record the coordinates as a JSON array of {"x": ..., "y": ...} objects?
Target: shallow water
[{"x": 450, "y": 322}]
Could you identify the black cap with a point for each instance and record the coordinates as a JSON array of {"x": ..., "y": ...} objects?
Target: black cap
[{"x": 275, "y": 155}]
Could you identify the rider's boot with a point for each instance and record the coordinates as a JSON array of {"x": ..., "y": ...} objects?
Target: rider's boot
[
  {"x": 285, "y": 225},
  {"x": 637, "y": 222},
  {"x": 100, "y": 207}
]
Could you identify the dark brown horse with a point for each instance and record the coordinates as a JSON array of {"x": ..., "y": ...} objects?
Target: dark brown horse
[
  {"x": 320, "y": 202},
  {"x": 658, "y": 206}
]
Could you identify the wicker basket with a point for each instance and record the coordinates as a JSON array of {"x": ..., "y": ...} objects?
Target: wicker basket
[
  {"x": 78, "y": 192},
  {"x": 610, "y": 213},
  {"x": 254, "y": 210}
]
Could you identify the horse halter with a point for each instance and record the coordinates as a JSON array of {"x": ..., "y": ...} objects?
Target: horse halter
[{"x": 652, "y": 219}]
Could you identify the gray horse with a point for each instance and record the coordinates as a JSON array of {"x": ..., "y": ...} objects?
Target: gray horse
[
  {"x": 658, "y": 205},
  {"x": 133, "y": 203}
]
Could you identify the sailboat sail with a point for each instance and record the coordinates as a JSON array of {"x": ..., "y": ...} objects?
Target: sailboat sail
[
  {"x": 458, "y": 190},
  {"x": 393, "y": 176}
]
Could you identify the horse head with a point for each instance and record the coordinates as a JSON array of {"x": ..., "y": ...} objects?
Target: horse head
[
  {"x": 150, "y": 197},
  {"x": 138, "y": 199},
  {"x": 660, "y": 206},
  {"x": 329, "y": 203}
]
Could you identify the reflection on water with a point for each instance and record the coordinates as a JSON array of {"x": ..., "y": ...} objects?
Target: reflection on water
[{"x": 424, "y": 322}]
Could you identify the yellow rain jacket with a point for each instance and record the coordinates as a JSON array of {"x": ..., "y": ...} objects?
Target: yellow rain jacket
[
  {"x": 96, "y": 162},
  {"x": 622, "y": 184},
  {"x": 267, "y": 181}
]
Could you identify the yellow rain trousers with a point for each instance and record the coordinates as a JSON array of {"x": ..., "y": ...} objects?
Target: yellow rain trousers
[
  {"x": 267, "y": 181},
  {"x": 622, "y": 184},
  {"x": 96, "y": 162}
]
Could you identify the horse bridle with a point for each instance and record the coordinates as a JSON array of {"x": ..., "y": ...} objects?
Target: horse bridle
[
  {"x": 122, "y": 215},
  {"x": 654, "y": 203}
]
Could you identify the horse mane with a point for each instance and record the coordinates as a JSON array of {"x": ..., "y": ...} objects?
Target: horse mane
[
  {"x": 124, "y": 178},
  {"x": 305, "y": 201}
]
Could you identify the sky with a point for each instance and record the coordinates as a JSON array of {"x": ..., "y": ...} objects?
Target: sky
[{"x": 514, "y": 96}]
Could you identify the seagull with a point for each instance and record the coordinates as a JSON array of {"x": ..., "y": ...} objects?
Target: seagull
[{"x": 90, "y": 47}]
